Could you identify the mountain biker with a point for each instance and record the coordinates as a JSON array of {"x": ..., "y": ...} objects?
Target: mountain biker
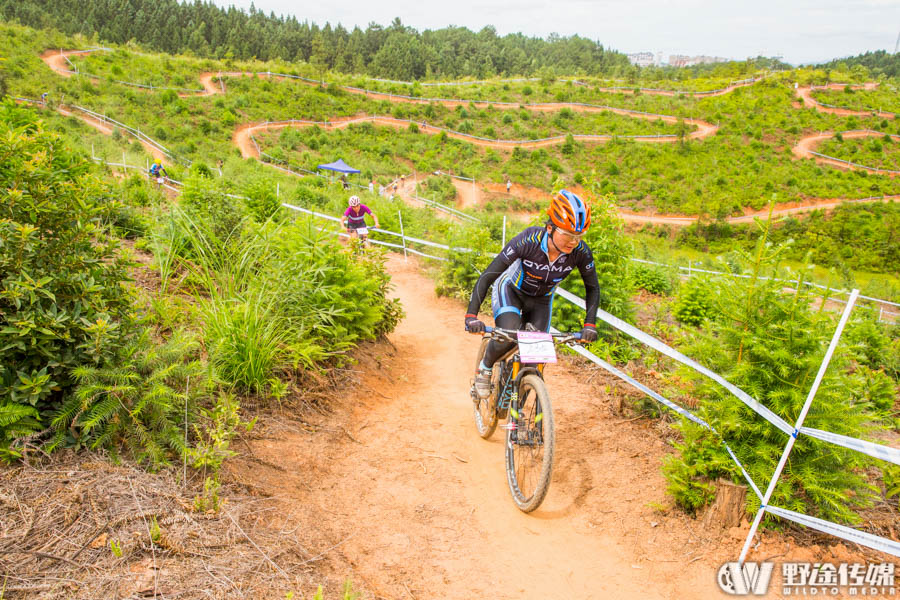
[
  {"x": 529, "y": 268},
  {"x": 157, "y": 172},
  {"x": 354, "y": 219}
]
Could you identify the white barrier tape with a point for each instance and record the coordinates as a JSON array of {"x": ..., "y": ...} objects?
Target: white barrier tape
[
  {"x": 380, "y": 243},
  {"x": 657, "y": 345},
  {"x": 853, "y": 164},
  {"x": 447, "y": 209},
  {"x": 406, "y": 237},
  {"x": 668, "y": 403},
  {"x": 851, "y": 535},
  {"x": 872, "y": 449},
  {"x": 309, "y": 212},
  {"x": 791, "y": 281}
]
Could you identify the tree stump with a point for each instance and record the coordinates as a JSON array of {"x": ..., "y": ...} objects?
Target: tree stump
[{"x": 729, "y": 506}]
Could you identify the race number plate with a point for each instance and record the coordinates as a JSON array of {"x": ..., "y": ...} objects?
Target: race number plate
[
  {"x": 362, "y": 231},
  {"x": 536, "y": 347},
  {"x": 159, "y": 180}
]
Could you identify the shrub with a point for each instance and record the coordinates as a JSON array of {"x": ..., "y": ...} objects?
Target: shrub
[
  {"x": 262, "y": 200},
  {"x": 653, "y": 280},
  {"x": 138, "y": 400},
  {"x": 63, "y": 299},
  {"x": 695, "y": 302},
  {"x": 771, "y": 344}
]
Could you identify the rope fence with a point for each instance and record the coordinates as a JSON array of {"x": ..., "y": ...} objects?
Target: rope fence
[
  {"x": 857, "y": 165},
  {"x": 792, "y": 432},
  {"x": 865, "y": 109},
  {"x": 691, "y": 270}
]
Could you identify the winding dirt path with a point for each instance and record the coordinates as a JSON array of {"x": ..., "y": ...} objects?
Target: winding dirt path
[
  {"x": 805, "y": 95},
  {"x": 107, "y": 129},
  {"x": 413, "y": 504},
  {"x": 709, "y": 94},
  {"x": 703, "y": 130},
  {"x": 242, "y": 138},
  {"x": 56, "y": 60},
  {"x": 806, "y": 146}
]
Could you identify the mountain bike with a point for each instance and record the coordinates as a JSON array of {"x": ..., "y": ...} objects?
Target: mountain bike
[{"x": 520, "y": 396}]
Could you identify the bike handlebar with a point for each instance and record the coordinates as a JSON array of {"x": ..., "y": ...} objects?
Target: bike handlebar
[{"x": 511, "y": 334}]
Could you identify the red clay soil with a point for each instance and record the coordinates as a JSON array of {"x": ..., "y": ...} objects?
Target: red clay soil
[
  {"x": 806, "y": 145},
  {"x": 710, "y": 94},
  {"x": 107, "y": 129},
  {"x": 409, "y": 502},
  {"x": 470, "y": 197},
  {"x": 805, "y": 94},
  {"x": 56, "y": 60},
  {"x": 704, "y": 129}
]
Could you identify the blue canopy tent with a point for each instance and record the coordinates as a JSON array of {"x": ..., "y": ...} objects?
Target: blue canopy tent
[{"x": 339, "y": 166}]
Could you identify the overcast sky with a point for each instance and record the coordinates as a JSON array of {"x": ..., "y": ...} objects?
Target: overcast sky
[{"x": 799, "y": 30}]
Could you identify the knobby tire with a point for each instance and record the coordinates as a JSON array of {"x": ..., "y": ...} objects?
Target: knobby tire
[
  {"x": 530, "y": 447},
  {"x": 485, "y": 411}
]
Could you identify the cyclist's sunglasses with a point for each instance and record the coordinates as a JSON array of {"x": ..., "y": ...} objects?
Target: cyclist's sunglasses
[{"x": 570, "y": 236}]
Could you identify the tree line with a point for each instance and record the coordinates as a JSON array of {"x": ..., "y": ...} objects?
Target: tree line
[
  {"x": 879, "y": 62},
  {"x": 395, "y": 51}
]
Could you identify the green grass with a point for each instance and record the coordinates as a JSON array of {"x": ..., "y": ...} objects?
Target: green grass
[
  {"x": 881, "y": 152},
  {"x": 664, "y": 250},
  {"x": 884, "y": 98}
]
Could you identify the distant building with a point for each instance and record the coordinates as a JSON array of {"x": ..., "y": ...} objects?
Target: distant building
[
  {"x": 683, "y": 60},
  {"x": 678, "y": 60},
  {"x": 641, "y": 59}
]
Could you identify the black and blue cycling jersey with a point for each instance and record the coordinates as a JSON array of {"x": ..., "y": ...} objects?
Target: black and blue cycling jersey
[{"x": 525, "y": 270}]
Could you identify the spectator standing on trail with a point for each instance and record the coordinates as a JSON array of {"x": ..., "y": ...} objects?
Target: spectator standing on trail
[
  {"x": 508, "y": 185},
  {"x": 44, "y": 98}
]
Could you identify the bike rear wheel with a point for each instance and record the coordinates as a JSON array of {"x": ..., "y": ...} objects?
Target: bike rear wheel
[
  {"x": 530, "y": 442},
  {"x": 485, "y": 411}
]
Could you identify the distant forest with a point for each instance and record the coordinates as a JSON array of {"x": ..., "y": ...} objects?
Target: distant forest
[
  {"x": 395, "y": 51},
  {"x": 879, "y": 62}
]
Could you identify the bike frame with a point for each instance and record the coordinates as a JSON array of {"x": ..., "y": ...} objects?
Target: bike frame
[{"x": 512, "y": 370}]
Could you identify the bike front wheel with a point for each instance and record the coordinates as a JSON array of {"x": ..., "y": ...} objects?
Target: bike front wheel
[
  {"x": 485, "y": 410},
  {"x": 530, "y": 442}
]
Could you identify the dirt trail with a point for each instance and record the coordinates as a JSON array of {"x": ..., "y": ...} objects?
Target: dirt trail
[
  {"x": 107, "y": 129},
  {"x": 704, "y": 129},
  {"x": 416, "y": 505},
  {"x": 470, "y": 197},
  {"x": 709, "y": 94},
  {"x": 804, "y": 149},
  {"x": 426, "y": 499},
  {"x": 805, "y": 94},
  {"x": 402, "y": 124},
  {"x": 56, "y": 60}
]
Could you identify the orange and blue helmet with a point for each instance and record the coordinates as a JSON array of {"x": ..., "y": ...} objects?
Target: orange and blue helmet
[{"x": 567, "y": 211}]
